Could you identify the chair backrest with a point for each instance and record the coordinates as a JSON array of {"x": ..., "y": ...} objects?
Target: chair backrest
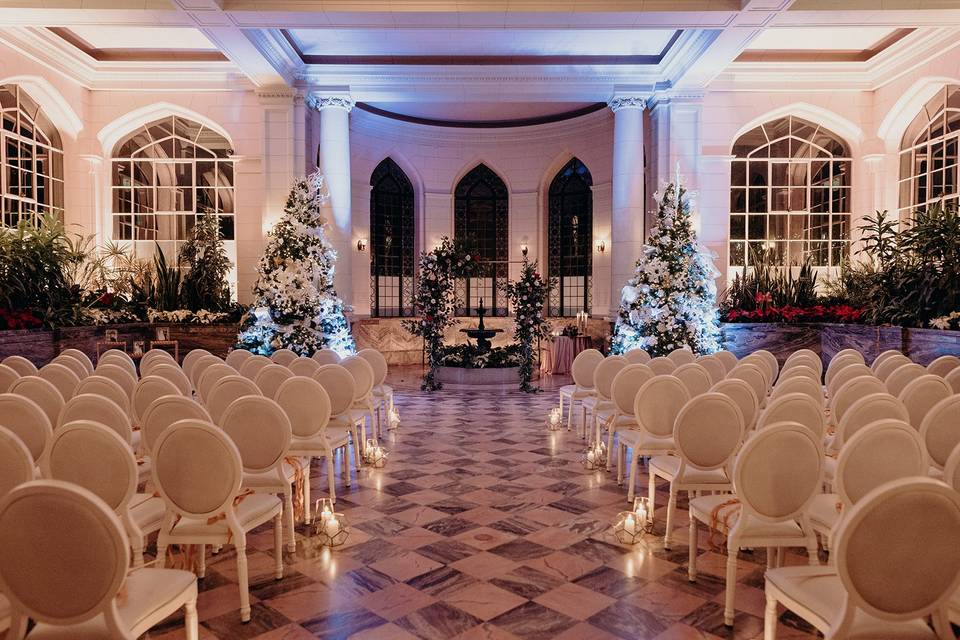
[
  {"x": 174, "y": 374},
  {"x": 362, "y": 374},
  {"x": 741, "y": 393},
  {"x": 76, "y": 366},
  {"x": 148, "y": 390},
  {"x": 65, "y": 380},
  {"x": 951, "y": 470},
  {"x": 902, "y": 376},
  {"x": 728, "y": 359},
  {"x": 883, "y": 356},
  {"x": 794, "y": 407},
  {"x": 43, "y": 393},
  {"x": 682, "y": 355},
  {"x": 119, "y": 375},
  {"x": 261, "y": 430},
  {"x": 339, "y": 385},
  {"x": 876, "y": 406},
  {"x": 851, "y": 391},
  {"x": 943, "y": 365},
  {"x": 714, "y": 367},
  {"x": 708, "y": 430},
  {"x": 773, "y": 365},
  {"x": 799, "y": 384},
  {"x": 94, "y": 408},
  {"x": 200, "y": 366},
  {"x": 16, "y": 463},
  {"x": 155, "y": 356},
  {"x": 119, "y": 358},
  {"x": 837, "y": 363},
  {"x": 637, "y": 356},
  {"x": 605, "y": 373},
  {"x": 284, "y": 356},
  {"x": 778, "y": 472},
  {"x": 21, "y": 365},
  {"x": 921, "y": 395},
  {"x": 761, "y": 362},
  {"x": 306, "y": 404},
  {"x": 877, "y": 553},
  {"x": 165, "y": 411},
  {"x": 626, "y": 384},
  {"x": 210, "y": 376},
  {"x": 27, "y": 420},
  {"x": 940, "y": 431},
  {"x": 326, "y": 356},
  {"x": 891, "y": 364},
  {"x": 89, "y": 454},
  {"x": 304, "y": 366},
  {"x": 953, "y": 379},
  {"x": 228, "y": 389},
  {"x": 805, "y": 358},
  {"x": 271, "y": 377},
  {"x": 658, "y": 403},
  {"x": 753, "y": 375},
  {"x": 694, "y": 377},
  {"x": 852, "y": 352},
  {"x": 191, "y": 359},
  {"x": 583, "y": 367},
  {"x": 196, "y": 469},
  {"x": 237, "y": 357},
  {"x": 798, "y": 369},
  {"x": 253, "y": 365},
  {"x": 8, "y": 375},
  {"x": 75, "y": 574},
  {"x": 802, "y": 354},
  {"x": 849, "y": 372},
  {"x": 379, "y": 364},
  {"x": 662, "y": 365},
  {"x": 882, "y": 451}
]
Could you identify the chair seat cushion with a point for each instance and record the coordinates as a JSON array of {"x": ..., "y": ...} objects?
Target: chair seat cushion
[
  {"x": 819, "y": 589},
  {"x": 829, "y": 468},
  {"x": 642, "y": 441},
  {"x": 383, "y": 391},
  {"x": 148, "y": 513},
  {"x": 253, "y": 510},
  {"x": 669, "y": 467},
  {"x": 269, "y": 479},
  {"x": 575, "y": 391},
  {"x": 823, "y": 512},
  {"x": 702, "y": 508}
]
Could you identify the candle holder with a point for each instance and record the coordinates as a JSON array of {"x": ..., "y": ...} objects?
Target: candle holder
[
  {"x": 596, "y": 456},
  {"x": 374, "y": 455},
  {"x": 631, "y": 526},
  {"x": 330, "y": 528},
  {"x": 393, "y": 419},
  {"x": 555, "y": 419}
]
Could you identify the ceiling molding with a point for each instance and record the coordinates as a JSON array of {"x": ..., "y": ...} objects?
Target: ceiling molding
[
  {"x": 484, "y": 124},
  {"x": 137, "y": 55}
]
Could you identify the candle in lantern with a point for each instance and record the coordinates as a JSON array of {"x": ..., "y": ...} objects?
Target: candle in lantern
[
  {"x": 591, "y": 456},
  {"x": 332, "y": 526},
  {"x": 630, "y": 525}
]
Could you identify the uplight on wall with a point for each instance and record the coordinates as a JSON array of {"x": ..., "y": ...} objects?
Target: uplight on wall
[
  {"x": 362, "y": 244},
  {"x": 601, "y": 246},
  {"x": 524, "y": 249}
]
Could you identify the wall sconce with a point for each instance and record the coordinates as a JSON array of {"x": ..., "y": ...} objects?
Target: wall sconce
[
  {"x": 601, "y": 246},
  {"x": 524, "y": 249},
  {"x": 362, "y": 244}
]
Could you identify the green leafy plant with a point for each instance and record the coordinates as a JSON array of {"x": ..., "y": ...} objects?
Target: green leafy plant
[
  {"x": 204, "y": 262},
  {"x": 528, "y": 295},
  {"x": 768, "y": 283}
]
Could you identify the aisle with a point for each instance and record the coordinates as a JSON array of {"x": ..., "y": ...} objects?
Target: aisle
[{"x": 483, "y": 524}]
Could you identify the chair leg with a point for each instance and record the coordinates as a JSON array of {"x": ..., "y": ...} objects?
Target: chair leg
[
  {"x": 570, "y": 413},
  {"x": 651, "y": 496},
  {"x": 771, "y": 557},
  {"x": 190, "y": 619},
  {"x": 621, "y": 458},
  {"x": 243, "y": 581},
  {"x": 632, "y": 489},
  {"x": 202, "y": 561},
  {"x": 278, "y": 545},
  {"x": 671, "y": 509},
  {"x": 731, "y": 587},
  {"x": 307, "y": 516},
  {"x": 357, "y": 450},
  {"x": 161, "y": 553},
  {"x": 331, "y": 476},
  {"x": 137, "y": 544},
  {"x": 692, "y": 551},
  {"x": 583, "y": 421},
  {"x": 288, "y": 514},
  {"x": 610, "y": 446},
  {"x": 345, "y": 465},
  {"x": 812, "y": 558},
  {"x": 770, "y": 619}
]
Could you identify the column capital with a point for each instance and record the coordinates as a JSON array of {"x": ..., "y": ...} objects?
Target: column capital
[
  {"x": 330, "y": 101},
  {"x": 627, "y": 102}
]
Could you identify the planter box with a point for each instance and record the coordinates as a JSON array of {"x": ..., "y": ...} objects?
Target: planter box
[
  {"x": 869, "y": 340},
  {"x": 494, "y": 376},
  {"x": 926, "y": 345},
  {"x": 780, "y": 339}
]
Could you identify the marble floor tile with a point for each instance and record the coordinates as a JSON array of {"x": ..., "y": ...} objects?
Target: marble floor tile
[
  {"x": 438, "y": 621},
  {"x": 575, "y": 601},
  {"x": 483, "y": 600}
]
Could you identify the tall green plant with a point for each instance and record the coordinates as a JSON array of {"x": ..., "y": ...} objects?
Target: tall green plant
[
  {"x": 767, "y": 283},
  {"x": 34, "y": 261},
  {"x": 160, "y": 288},
  {"x": 204, "y": 261}
]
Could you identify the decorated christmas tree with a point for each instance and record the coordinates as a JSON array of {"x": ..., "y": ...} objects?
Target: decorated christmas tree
[
  {"x": 671, "y": 301},
  {"x": 296, "y": 306}
]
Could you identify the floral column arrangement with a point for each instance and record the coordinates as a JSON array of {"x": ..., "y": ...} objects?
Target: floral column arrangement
[{"x": 527, "y": 296}]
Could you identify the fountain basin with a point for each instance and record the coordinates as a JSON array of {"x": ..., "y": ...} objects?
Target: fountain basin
[{"x": 488, "y": 376}]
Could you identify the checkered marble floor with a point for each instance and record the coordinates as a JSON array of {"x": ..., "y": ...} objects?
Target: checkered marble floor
[{"x": 482, "y": 525}]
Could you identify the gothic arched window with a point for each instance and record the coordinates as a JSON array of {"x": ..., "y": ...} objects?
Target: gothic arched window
[
  {"x": 31, "y": 180},
  {"x": 790, "y": 195},
  {"x": 480, "y": 219},
  {"x": 928, "y": 154},
  {"x": 391, "y": 241},
  {"x": 570, "y": 238}
]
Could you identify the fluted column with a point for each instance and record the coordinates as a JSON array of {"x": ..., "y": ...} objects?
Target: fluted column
[{"x": 628, "y": 192}]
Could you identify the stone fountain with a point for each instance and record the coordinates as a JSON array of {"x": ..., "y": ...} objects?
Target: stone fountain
[{"x": 481, "y": 334}]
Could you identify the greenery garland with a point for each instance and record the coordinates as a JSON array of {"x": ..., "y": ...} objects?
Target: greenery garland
[{"x": 528, "y": 295}]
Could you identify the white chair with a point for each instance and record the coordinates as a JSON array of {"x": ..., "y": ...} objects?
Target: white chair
[
  {"x": 148, "y": 390},
  {"x": 21, "y": 365},
  {"x": 326, "y": 356},
  {"x": 237, "y": 357},
  {"x": 16, "y": 467},
  {"x": 953, "y": 379},
  {"x": 802, "y": 354},
  {"x": 155, "y": 356},
  {"x": 921, "y": 395},
  {"x": 943, "y": 365},
  {"x": 362, "y": 407},
  {"x": 200, "y": 366},
  {"x": 252, "y": 366},
  {"x": 76, "y": 584},
  {"x": 623, "y": 391},
  {"x": 951, "y": 475},
  {"x": 339, "y": 384},
  {"x": 60, "y": 376},
  {"x": 714, "y": 367},
  {"x": 210, "y": 376},
  {"x": 882, "y": 451},
  {"x": 841, "y": 377},
  {"x": 382, "y": 392},
  {"x": 191, "y": 359},
  {"x": 837, "y": 364},
  {"x": 655, "y": 410},
  {"x": 869, "y": 408},
  {"x": 902, "y": 376},
  {"x": 165, "y": 411},
  {"x": 939, "y": 433},
  {"x": 662, "y": 365},
  {"x": 794, "y": 407},
  {"x": 741, "y": 393},
  {"x": 307, "y": 406},
  {"x": 682, "y": 356},
  {"x": 8, "y": 375},
  {"x": 603, "y": 377},
  {"x": 303, "y": 366},
  {"x": 773, "y": 365},
  {"x": 174, "y": 374},
  {"x": 889, "y": 353},
  {"x": 93, "y": 408},
  {"x": 103, "y": 386},
  {"x": 707, "y": 433},
  {"x": 801, "y": 367},
  {"x": 283, "y": 357},
  {"x": 637, "y": 356},
  {"x": 26, "y": 420},
  {"x": 799, "y": 384},
  {"x": 851, "y": 391},
  {"x": 777, "y": 473},
  {"x": 582, "y": 371},
  {"x": 120, "y": 375},
  {"x": 197, "y": 471},
  {"x": 119, "y": 358},
  {"x": 759, "y": 361},
  {"x": 43, "y": 393},
  {"x": 728, "y": 358},
  {"x": 891, "y": 364},
  {"x": 227, "y": 390},
  {"x": 850, "y": 352},
  {"x": 883, "y": 584},
  {"x": 92, "y": 455},
  {"x": 269, "y": 378},
  {"x": 262, "y": 432},
  {"x": 753, "y": 375},
  {"x": 76, "y": 366},
  {"x": 694, "y": 377}
]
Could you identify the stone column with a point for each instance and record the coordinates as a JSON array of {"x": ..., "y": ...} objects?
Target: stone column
[
  {"x": 626, "y": 238},
  {"x": 334, "y": 164}
]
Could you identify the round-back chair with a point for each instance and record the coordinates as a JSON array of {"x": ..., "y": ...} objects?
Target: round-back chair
[
  {"x": 921, "y": 395},
  {"x": 902, "y": 376},
  {"x": 252, "y": 366},
  {"x": 891, "y": 364},
  {"x": 94, "y": 408},
  {"x": 741, "y": 393},
  {"x": 283, "y": 356},
  {"x": 26, "y": 420},
  {"x": 228, "y": 389},
  {"x": 682, "y": 355},
  {"x": 728, "y": 358},
  {"x": 694, "y": 377},
  {"x": 943, "y": 365},
  {"x": 794, "y": 407},
  {"x": 326, "y": 356},
  {"x": 876, "y": 406},
  {"x": 662, "y": 365},
  {"x": 303, "y": 366},
  {"x": 148, "y": 390},
  {"x": 714, "y": 367},
  {"x": 168, "y": 410},
  {"x": 237, "y": 357},
  {"x": 270, "y": 378},
  {"x": 43, "y": 393},
  {"x": 8, "y": 375},
  {"x": 637, "y": 356},
  {"x": 62, "y": 377},
  {"x": 21, "y": 365}
]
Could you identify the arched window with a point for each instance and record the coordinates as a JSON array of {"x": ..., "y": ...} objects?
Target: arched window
[
  {"x": 570, "y": 238},
  {"x": 480, "y": 223},
  {"x": 164, "y": 174},
  {"x": 391, "y": 240},
  {"x": 790, "y": 195},
  {"x": 928, "y": 154},
  {"x": 32, "y": 158}
]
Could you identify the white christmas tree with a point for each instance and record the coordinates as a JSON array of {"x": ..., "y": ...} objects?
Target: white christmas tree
[
  {"x": 671, "y": 301},
  {"x": 296, "y": 306}
]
